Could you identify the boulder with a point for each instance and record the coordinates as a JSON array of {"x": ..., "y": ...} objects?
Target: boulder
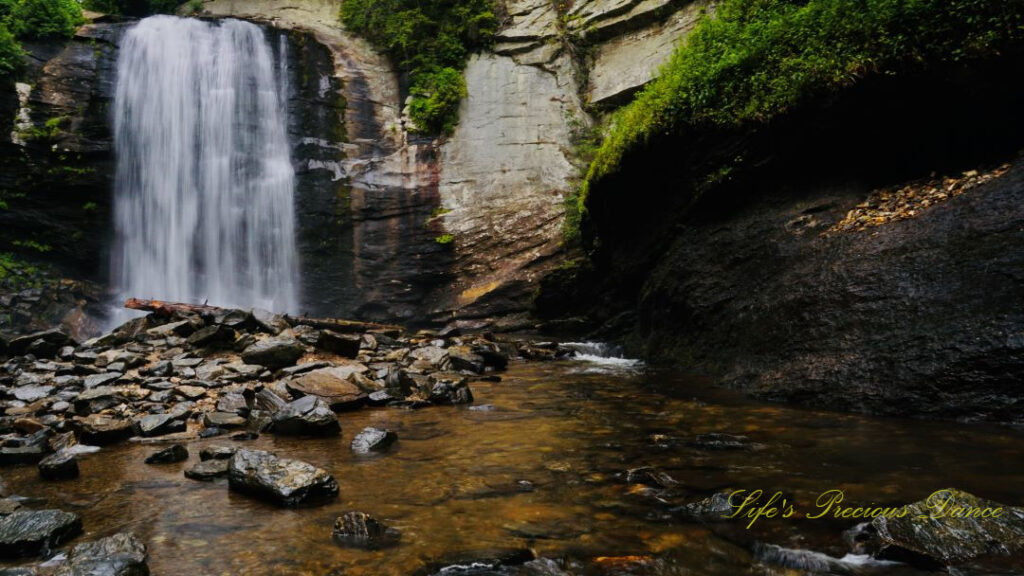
[
  {"x": 308, "y": 415},
  {"x": 269, "y": 322},
  {"x": 346, "y": 345},
  {"x": 373, "y": 440},
  {"x": 360, "y": 530},
  {"x": 949, "y": 527},
  {"x": 215, "y": 336},
  {"x": 118, "y": 555},
  {"x": 43, "y": 344},
  {"x": 274, "y": 353},
  {"x": 36, "y": 532},
  {"x": 60, "y": 465},
  {"x": 169, "y": 455},
  {"x": 281, "y": 481},
  {"x": 449, "y": 388},
  {"x": 330, "y": 385}
]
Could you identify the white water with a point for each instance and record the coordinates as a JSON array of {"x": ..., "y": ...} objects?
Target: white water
[
  {"x": 602, "y": 357},
  {"x": 204, "y": 179}
]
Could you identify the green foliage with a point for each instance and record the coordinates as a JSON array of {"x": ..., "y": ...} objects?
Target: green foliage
[
  {"x": 33, "y": 245},
  {"x": 12, "y": 266},
  {"x": 436, "y": 96},
  {"x": 44, "y": 19},
  {"x": 89, "y": 207},
  {"x": 10, "y": 53},
  {"x": 137, "y": 7},
  {"x": 756, "y": 59},
  {"x": 429, "y": 40}
]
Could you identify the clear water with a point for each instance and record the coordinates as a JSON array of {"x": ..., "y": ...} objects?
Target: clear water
[
  {"x": 450, "y": 484},
  {"x": 204, "y": 182}
]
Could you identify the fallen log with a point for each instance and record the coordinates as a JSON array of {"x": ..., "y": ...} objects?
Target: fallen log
[{"x": 162, "y": 308}]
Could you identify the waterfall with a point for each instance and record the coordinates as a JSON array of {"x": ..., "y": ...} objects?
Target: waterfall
[{"x": 204, "y": 182}]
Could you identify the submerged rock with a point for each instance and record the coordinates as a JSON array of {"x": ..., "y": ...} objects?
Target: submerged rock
[
  {"x": 373, "y": 440},
  {"x": 274, "y": 353},
  {"x": 360, "y": 530},
  {"x": 31, "y": 533},
  {"x": 950, "y": 527},
  {"x": 118, "y": 555},
  {"x": 171, "y": 454},
  {"x": 281, "y": 481},
  {"x": 308, "y": 415},
  {"x": 207, "y": 470}
]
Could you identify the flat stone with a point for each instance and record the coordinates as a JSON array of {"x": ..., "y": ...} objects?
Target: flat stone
[
  {"x": 217, "y": 452},
  {"x": 191, "y": 392},
  {"x": 332, "y": 386},
  {"x": 21, "y": 454},
  {"x": 35, "y": 532},
  {"x": 160, "y": 424},
  {"x": 31, "y": 393},
  {"x": 207, "y": 470},
  {"x": 281, "y": 481},
  {"x": 274, "y": 353},
  {"x": 97, "y": 380},
  {"x": 223, "y": 420},
  {"x": 463, "y": 358},
  {"x": 101, "y": 429},
  {"x": 183, "y": 328},
  {"x": 269, "y": 322}
]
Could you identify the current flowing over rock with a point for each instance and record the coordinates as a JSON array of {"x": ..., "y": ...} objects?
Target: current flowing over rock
[{"x": 204, "y": 183}]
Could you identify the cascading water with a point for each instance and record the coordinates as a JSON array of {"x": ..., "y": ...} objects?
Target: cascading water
[{"x": 204, "y": 182}]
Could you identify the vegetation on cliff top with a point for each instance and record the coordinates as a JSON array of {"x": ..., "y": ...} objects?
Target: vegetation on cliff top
[
  {"x": 33, "y": 20},
  {"x": 429, "y": 40},
  {"x": 756, "y": 59}
]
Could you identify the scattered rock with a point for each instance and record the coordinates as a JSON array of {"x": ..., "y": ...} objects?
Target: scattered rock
[
  {"x": 650, "y": 476},
  {"x": 373, "y": 440},
  {"x": 207, "y": 470},
  {"x": 281, "y": 481},
  {"x": 720, "y": 441},
  {"x": 269, "y": 322},
  {"x": 36, "y": 532},
  {"x": 169, "y": 455},
  {"x": 118, "y": 555},
  {"x": 214, "y": 336},
  {"x": 306, "y": 416},
  {"x": 60, "y": 465},
  {"x": 101, "y": 429},
  {"x": 345, "y": 345},
  {"x": 217, "y": 453},
  {"x": 160, "y": 424},
  {"x": 463, "y": 358},
  {"x": 360, "y": 530},
  {"x": 223, "y": 420},
  {"x": 274, "y": 353},
  {"x": 331, "y": 386}
]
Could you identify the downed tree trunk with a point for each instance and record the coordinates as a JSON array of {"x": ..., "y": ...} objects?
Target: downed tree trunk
[{"x": 162, "y": 308}]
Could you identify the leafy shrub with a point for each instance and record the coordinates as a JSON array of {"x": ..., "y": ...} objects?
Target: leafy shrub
[
  {"x": 133, "y": 7},
  {"x": 45, "y": 19},
  {"x": 430, "y": 41},
  {"x": 10, "y": 53},
  {"x": 756, "y": 59}
]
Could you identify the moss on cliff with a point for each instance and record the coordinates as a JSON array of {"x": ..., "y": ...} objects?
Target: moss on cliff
[
  {"x": 757, "y": 59},
  {"x": 429, "y": 40}
]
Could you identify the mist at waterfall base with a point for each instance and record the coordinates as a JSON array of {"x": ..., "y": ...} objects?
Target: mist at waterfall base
[{"x": 204, "y": 182}]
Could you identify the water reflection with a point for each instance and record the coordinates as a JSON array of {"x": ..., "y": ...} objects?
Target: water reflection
[{"x": 541, "y": 468}]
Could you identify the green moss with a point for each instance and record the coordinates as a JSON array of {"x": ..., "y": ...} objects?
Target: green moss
[
  {"x": 33, "y": 245},
  {"x": 444, "y": 239},
  {"x": 756, "y": 59},
  {"x": 429, "y": 40},
  {"x": 89, "y": 207}
]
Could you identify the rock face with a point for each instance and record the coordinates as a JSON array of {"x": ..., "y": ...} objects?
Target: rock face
[
  {"x": 30, "y": 533},
  {"x": 280, "y": 481},
  {"x": 752, "y": 284}
]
